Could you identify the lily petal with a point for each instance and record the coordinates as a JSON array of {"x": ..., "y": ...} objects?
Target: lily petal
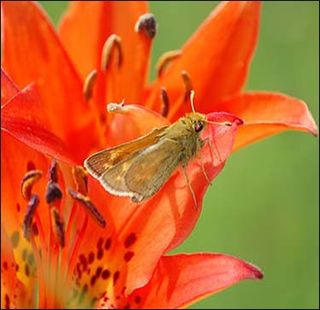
[
  {"x": 265, "y": 114},
  {"x": 8, "y": 87},
  {"x": 181, "y": 280},
  {"x": 217, "y": 56},
  {"x": 46, "y": 63},
  {"x": 86, "y": 26},
  {"x": 24, "y": 119}
]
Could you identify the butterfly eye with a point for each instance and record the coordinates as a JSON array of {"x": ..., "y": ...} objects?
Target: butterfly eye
[{"x": 198, "y": 126}]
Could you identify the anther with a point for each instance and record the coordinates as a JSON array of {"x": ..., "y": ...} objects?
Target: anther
[
  {"x": 29, "y": 179},
  {"x": 110, "y": 47},
  {"x": 165, "y": 102},
  {"x": 27, "y": 221},
  {"x": 81, "y": 179},
  {"x": 88, "y": 85},
  {"x": 146, "y": 24},
  {"x": 53, "y": 193},
  {"x": 187, "y": 83},
  {"x": 58, "y": 225},
  {"x": 89, "y": 206},
  {"x": 165, "y": 60},
  {"x": 53, "y": 171}
]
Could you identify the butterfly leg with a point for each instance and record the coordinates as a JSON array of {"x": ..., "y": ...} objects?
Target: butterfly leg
[
  {"x": 213, "y": 150},
  {"x": 204, "y": 171},
  {"x": 190, "y": 187}
]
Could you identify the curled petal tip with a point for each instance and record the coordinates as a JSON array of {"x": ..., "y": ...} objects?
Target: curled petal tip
[
  {"x": 238, "y": 121},
  {"x": 256, "y": 273}
]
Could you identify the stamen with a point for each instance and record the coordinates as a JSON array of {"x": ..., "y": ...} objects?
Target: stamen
[
  {"x": 165, "y": 60},
  {"x": 29, "y": 179},
  {"x": 112, "y": 45},
  {"x": 27, "y": 221},
  {"x": 146, "y": 24},
  {"x": 165, "y": 102},
  {"x": 81, "y": 179},
  {"x": 88, "y": 85},
  {"x": 53, "y": 193},
  {"x": 89, "y": 206},
  {"x": 53, "y": 171},
  {"x": 187, "y": 83},
  {"x": 58, "y": 225}
]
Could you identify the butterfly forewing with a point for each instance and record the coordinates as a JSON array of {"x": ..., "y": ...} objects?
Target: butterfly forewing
[
  {"x": 152, "y": 168},
  {"x": 100, "y": 162}
]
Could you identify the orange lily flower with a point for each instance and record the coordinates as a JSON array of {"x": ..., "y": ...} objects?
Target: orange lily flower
[{"x": 65, "y": 241}]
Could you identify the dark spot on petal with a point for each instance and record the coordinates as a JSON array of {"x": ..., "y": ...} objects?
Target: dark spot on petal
[
  {"x": 18, "y": 207},
  {"x": 82, "y": 259},
  {"x": 7, "y": 301},
  {"x": 93, "y": 280},
  {"x": 128, "y": 255},
  {"x": 30, "y": 259},
  {"x": 15, "y": 239},
  {"x": 116, "y": 276},
  {"x": 30, "y": 165},
  {"x": 98, "y": 271},
  {"x": 100, "y": 242},
  {"x": 27, "y": 270},
  {"x": 17, "y": 267},
  {"x": 107, "y": 245},
  {"x": 137, "y": 299},
  {"x": 90, "y": 258},
  {"x": 131, "y": 239},
  {"x": 5, "y": 265},
  {"x": 85, "y": 288},
  {"x": 100, "y": 254},
  {"x": 105, "y": 274},
  {"x": 24, "y": 254},
  {"x": 93, "y": 301},
  {"x": 127, "y": 306}
]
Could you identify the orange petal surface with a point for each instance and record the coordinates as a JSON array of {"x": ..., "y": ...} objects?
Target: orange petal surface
[
  {"x": 181, "y": 280},
  {"x": 45, "y": 63},
  {"x": 265, "y": 114},
  {"x": 217, "y": 56},
  {"x": 86, "y": 26}
]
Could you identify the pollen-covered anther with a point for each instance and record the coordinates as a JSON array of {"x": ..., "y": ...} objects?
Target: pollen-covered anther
[
  {"x": 187, "y": 83},
  {"x": 165, "y": 102},
  {"x": 111, "y": 48},
  {"x": 28, "y": 181},
  {"x": 27, "y": 221},
  {"x": 80, "y": 177},
  {"x": 53, "y": 171},
  {"x": 89, "y": 84},
  {"x": 147, "y": 25},
  {"x": 89, "y": 207},
  {"x": 53, "y": 193},
  {"x": 58, "y": 226},
  {"x": 165, "y": 60}
]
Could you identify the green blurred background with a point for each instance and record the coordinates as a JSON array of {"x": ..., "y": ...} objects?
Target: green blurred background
[{"x": 264, "y": 206}]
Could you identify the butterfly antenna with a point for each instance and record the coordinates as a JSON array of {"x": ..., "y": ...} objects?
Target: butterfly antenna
[
  {"x": 219, "y": 123},
  {"x": 192, "y": 93}
]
